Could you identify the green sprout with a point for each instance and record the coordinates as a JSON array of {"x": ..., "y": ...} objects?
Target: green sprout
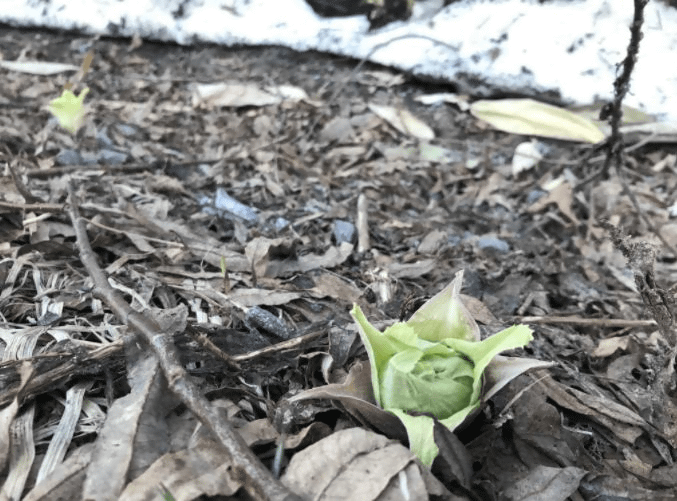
[
  {"x": 166, "y": 494},
  {"x": 69, "y": 109},
  {"x": 432, "y": 366}
]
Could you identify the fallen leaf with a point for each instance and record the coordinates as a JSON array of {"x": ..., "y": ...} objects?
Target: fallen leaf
[
  {"x": 445, "y": 97},
  {"x": 533, "y": 118},
  {"x": 355, "y": 464},
  {"x": 545, "y": 483},
  {"x": 8, "y": 413},
  {"x": 237, "y": 94},
  {"x": 561, "y": 195},
  {"x": 609, "y": 346},
  {"x": 38, "y": 67},
  {"x": 527, "y": 155},
  {"x": 403, "y": 121}
]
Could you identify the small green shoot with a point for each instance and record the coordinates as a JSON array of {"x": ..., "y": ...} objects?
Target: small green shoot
[
  {"x": 69, "y": 110},
  {"x": 432, "y": 366}
]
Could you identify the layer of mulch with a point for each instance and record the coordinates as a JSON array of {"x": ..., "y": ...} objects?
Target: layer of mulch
[{"x": 237, "y": 230}]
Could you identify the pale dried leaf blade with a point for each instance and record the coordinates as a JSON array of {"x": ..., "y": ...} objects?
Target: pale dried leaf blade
[
  {"x": 527, "y": 155},
  {"x": 22, "y": 451},
  {"x": 561, "y": 193},
  {"x": 529, "y": 117},
  {"x": 445, "y": 97},
  {"x": 248, "y": 297},
  {"x": 64, "y": 432},
  {"x": 330, "y": 285},
  {"x": 609, "y": 346},
  {"x": 8, "y": 413},
  {"x": 113, "y": 454},
  {"x": 6, "y": 417},
  {"x": 287, "y": 92},
  {"x": 38, "y": 67},
  {"x": 231, "y": 95},
  {"x": 65, "y": 482},
  {"x": 236, "y": 94},
  {"x": 630, "y": 115},
  {"x": 258, "y": 432},
  {"x": 655, "y": 132},
  {"x": 403, "y": 121}
]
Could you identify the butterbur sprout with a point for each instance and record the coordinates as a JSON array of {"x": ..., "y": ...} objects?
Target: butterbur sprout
[{"x": 433, "y": 365}]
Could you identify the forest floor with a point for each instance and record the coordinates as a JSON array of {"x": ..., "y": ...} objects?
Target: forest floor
[{"x": 238, "y": 228}]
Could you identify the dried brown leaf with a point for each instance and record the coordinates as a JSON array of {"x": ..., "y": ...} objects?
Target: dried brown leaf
[
  {"x": 404, "y": 121},
  {"x": 609, "y": 346},
  {"x": 562, "y": 196},
  {"x": 545, "y": 483},
  {"x": 355, "y": 464},
  {"x": 188, "y": 474}
]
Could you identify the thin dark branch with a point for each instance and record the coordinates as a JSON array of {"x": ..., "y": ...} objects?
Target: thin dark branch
[
  {"x": 290, "y": 344},
  {"x": 209, "y": 345},
  {"x": 246, "y": 467},
  {"x": 33, "y": 207},
  {"x": 614, "y": 110},
  {"x": 614, "y": 113}
]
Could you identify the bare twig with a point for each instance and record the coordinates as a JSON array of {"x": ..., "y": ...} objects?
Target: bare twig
[
  {"x": 113, "y": 169},
  {"x": 255, "y": 478},
  {"x": 614, "y": 110},
  {"x": 592, "y": 322},
  {"x": 39, "y": 207},
  {"x": 614, "y": 113},
  {"x": 289, "y": 344},
  {"x": 363, "y": 244},
  {"x": 209, "y": 345}
]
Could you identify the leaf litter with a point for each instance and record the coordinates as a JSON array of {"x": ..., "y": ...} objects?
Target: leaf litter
[{"x": 243, "y": 217}]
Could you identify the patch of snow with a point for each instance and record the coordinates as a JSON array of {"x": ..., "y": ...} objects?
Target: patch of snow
[{"x": 569, "y": 46}]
